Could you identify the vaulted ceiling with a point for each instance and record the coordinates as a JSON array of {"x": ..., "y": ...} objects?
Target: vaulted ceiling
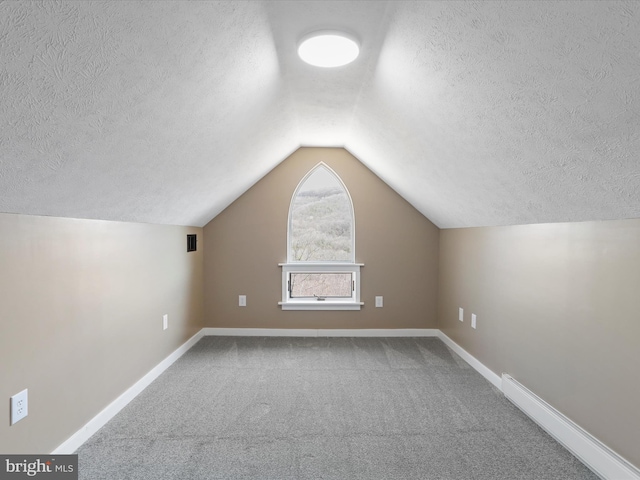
[{"x": 478, "y": 113}]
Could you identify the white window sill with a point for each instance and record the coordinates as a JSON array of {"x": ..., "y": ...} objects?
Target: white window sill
[
  {"x": 324, "y": 305},
  {"x": 307, "y": 303}
]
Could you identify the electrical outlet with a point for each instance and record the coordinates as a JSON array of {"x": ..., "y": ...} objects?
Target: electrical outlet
[
  {"x": 19, "y": 406},
  {"x": 165, "y": 321},
  {"x": 242, "y": 300},
  {"x": 473, "y": 320},
  {"x": 379, "y": 302},
  {"x": 461, "y": 314}
]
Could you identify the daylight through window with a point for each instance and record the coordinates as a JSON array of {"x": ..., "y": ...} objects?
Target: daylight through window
[
  {"x": 321, "y": 273},
  {"x": 321, "y": 220}
]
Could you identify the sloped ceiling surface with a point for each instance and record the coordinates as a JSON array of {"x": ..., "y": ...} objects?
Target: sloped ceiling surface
[{"x": 478, "y": 113}]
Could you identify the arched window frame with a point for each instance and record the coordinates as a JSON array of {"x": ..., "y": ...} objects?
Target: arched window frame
[
  {"x": 296, "y": 267},
  {"x": 324, "y": 166}
]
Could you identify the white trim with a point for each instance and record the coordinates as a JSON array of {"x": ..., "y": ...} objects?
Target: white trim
[
  {"x": 493, "y": 378},
  {"x": 295, "y": 194},
  {"x": 324, "y": 305},
  {"x": 347, "y": 303},
  {"x": 309, "y": 332},
  {"x": 598, "y": 457},
  {"x": 96, "y": 423},
  {"x": 321, "y": 266},
  {"x": 593, "y": 453}
]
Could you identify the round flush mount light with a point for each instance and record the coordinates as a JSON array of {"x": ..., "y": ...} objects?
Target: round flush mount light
[{"x": 328, "y": 49}]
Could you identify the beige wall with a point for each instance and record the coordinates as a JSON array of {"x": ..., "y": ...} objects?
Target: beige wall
[
  {"x": 81, "y": 301},
  {"x": 81, "y": 305},
  {"x": 245, "y": 243},
  {"x": 558, "y": 309}
]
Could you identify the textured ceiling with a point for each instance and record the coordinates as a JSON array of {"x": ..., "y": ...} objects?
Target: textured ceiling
[{"x": 478, "y": 113}]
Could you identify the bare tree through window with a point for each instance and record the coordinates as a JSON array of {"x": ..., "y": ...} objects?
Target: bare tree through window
[
  {"x": 321, "y": 220},
  {"x": 321, "y": 231}
]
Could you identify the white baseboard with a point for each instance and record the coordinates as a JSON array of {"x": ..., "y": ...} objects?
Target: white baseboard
[
  {"x": 492, "y": 377},
  {"x": 77, "y": 439},
  {"x": 310, "y": 332},
  {"x": 597, "y": 456},
  {"x": 593, "y": 453}
]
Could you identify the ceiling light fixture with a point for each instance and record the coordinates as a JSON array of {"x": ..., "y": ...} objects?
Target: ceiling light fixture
[{"x": 328, "y": 49}]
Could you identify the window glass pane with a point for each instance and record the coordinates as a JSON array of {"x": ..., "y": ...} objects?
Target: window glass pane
[
  {"x": 320, "y": 284},
  {"x": 321, "y": 223}
]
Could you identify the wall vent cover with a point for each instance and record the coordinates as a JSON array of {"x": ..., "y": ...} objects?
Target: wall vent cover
[{"x": 191, "y": 243}]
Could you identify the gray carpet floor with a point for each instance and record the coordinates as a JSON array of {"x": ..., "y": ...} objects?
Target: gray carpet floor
[{"x": 323, "y": 408}]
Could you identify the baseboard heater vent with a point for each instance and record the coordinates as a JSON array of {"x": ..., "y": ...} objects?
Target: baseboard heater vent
[{"x": 598, "y": 457}]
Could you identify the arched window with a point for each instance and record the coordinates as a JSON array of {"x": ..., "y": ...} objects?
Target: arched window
[
  {"x": 321, "y": 223},
  {"x": 321, "y": 273}
]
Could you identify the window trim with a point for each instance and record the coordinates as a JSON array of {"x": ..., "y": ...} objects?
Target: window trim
[
  {"x": 295, "y": 266},
  {"x": 347, "y": 303},
  {"x": 352, "y": 212}
]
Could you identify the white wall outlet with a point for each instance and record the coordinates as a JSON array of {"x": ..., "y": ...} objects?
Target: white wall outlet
[
  {"x": 379, "y": 302},
  {"x": 19, "y": 406},
  {"x": 461, "y": 314},
  {"x": 242, "y": 300},
  {"x": 473, "y": 320},
  {"x": 165, "y": 321}
]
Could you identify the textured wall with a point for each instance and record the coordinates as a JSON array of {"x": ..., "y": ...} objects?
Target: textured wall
[
  {"x": 81, "y": 305},
  {"x": 477, "y": 113},
  {"x": 557, "y": 308},
  {"x": 247, "y": 241},
  {"x": 503, "y": 113},
  {"x": 138, "y": 110}
]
